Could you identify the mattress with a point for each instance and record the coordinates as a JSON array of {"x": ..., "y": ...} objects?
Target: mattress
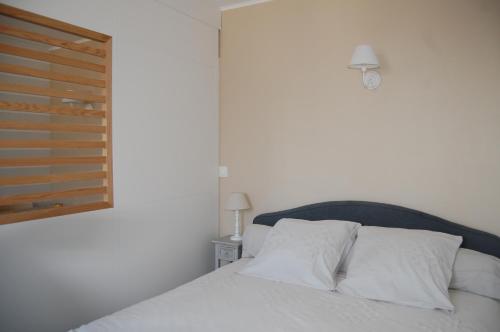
[{"x": 226, "y": 301}]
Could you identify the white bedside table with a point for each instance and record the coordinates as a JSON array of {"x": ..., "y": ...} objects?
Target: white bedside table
[{"x": 226, "y": 251}]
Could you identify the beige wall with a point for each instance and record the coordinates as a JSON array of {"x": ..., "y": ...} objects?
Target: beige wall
[{"x": 297, "y": 127}]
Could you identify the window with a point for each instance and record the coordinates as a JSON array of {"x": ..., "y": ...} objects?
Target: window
[{"x": 55, "y": 118}]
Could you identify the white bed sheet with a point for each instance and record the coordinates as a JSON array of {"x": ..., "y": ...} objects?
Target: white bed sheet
[{"x": 225, "y": 301}]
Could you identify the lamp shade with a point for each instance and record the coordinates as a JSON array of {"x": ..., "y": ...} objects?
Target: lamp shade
[
  {"x": 364, "y": 57},
  {"x": 237, "y": 201}
]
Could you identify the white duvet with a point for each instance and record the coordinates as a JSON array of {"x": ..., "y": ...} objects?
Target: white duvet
[{"x": 226, "y": 301}]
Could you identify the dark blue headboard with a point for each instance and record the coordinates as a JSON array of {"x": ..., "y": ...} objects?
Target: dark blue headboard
[{"x": 386, "y": 215}]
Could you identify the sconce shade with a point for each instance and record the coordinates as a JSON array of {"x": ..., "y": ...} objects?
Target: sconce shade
[
  {"x": 364, "y": 57},
  {"x": 237, "y": 201}
]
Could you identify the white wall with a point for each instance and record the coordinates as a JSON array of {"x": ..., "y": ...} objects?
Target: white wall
[{"x": 61, "y": 272}]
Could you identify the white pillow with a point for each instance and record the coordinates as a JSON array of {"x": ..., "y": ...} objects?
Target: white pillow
[
  {"x": 411, "y": 267},
  {"x": 346, "y": 259},
  {"x": 253, "y": 239},
  {"x": 302, "y": 252},
  {"x": 255, "y": 235},
  {"x": 477, "y": 273}
]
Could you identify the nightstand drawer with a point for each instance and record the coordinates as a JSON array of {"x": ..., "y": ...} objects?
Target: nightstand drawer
[{"x": 228, "y": 253}]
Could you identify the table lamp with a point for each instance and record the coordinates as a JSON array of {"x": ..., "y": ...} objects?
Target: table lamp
[{"x": 237, "y": 202}]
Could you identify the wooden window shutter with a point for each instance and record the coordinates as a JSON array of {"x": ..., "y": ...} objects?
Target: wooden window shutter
[{"x": 55, "y": 118}]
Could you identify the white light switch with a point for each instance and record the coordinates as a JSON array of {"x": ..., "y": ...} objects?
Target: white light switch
[{"x": 223, "y": 172}]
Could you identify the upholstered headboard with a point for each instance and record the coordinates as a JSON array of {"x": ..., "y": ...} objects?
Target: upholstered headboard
[{"x": 386, "y": 215}]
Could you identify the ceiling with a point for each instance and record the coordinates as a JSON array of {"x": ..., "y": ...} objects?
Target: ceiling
[{"x": 232, "y": 4}]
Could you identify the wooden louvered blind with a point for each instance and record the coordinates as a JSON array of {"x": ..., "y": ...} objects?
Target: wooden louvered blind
[{"x": 55, "y": 118}]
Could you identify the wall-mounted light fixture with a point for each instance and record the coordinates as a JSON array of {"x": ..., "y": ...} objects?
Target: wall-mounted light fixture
[{"x": 364, "y": 58}]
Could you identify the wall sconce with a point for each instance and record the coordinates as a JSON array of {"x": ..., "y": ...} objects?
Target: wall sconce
[{"x": 364, "y": 58}]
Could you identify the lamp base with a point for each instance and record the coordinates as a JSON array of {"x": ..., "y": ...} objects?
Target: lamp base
[{"x": 236, "y": 238}]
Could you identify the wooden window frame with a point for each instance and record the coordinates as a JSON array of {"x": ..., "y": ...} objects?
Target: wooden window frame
[{"x": 105, "y": 159}]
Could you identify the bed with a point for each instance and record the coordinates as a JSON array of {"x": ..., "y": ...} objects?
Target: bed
[{"x": 225, "y": 300}]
